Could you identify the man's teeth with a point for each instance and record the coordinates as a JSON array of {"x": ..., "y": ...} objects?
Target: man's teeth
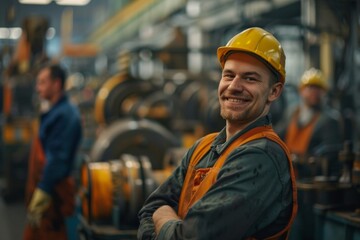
[{"x": 234, "y": 100}]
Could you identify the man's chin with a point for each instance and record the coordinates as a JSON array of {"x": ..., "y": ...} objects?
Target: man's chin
[{"x": 231, "y": 117}]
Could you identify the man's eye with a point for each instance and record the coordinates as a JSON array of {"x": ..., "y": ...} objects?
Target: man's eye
[
  {"x": 250, "y": 79},
  {"x": 228, "y": 76}
]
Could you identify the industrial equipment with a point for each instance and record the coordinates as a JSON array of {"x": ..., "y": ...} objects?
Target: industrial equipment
[
  {"x": 329, "y": 205},
  {"x": 124, "y": 167},
  {"x": 19, "y": 110},
  {"x": 115, "y": 190}
]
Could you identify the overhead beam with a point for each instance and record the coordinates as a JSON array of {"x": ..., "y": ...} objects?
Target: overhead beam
[{"x": 130, "y": 19}]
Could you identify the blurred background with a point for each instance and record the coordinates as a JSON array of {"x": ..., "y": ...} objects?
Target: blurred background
[{"x": 144, "y": 75}]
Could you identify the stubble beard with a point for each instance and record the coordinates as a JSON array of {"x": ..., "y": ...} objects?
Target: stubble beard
[
  {"x": 240, "y": 116},
  {"x": 233, "y": 116}
]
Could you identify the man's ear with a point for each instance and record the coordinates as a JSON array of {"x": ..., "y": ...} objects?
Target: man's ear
[{"x": 275, "y": 91}]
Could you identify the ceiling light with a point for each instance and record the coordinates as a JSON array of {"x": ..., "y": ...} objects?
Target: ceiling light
[
  {"x": 193, "y": 8},
  {"x": 50, "y": 33},
  {"x": 4, "y": 33},
  {"x": 10, "y": 33},
  {"x": 72, "y": 2},
  {"x": 59, "y": 2},
  {"x": 43, "y": 2},
  {"x": 15, "y": 33}
]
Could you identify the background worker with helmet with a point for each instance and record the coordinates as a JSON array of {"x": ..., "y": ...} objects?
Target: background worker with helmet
[
  {"x": 238, "y": 183},
  {"x": 313, "y": 128}
]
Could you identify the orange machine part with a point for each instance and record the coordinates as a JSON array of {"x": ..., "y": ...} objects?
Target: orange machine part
[{"x": 97, "y": 183}]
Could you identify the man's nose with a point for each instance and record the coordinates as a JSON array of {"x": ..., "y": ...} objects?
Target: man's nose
[{"x": 236, "y": 84}]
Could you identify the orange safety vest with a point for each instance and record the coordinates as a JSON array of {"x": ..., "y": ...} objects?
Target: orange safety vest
[
  {"x": 52, "y": 225},
  {"x": 199, "y": 183},
  {"x": 298, "y": 139}
]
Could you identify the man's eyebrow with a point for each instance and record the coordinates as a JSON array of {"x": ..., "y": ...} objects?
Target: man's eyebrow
[
  {"x": 245, "y": 74},
  {"x": 251, "y": 74},
  {"x": 227, "y": 71}
]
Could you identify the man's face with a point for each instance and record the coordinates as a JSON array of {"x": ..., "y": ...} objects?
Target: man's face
[
  {"x": 45, "y": 86},
  {"x": 312, "y": 95},
  {"x": 244, "y": 91}
]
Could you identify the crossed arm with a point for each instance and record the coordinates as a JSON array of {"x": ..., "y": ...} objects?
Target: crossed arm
[
  {"x": 231, "y": 209},
  {"x": 162, "y": 215}
]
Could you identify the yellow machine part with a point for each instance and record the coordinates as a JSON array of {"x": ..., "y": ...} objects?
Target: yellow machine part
[
  {"x": 101, "y": 189},
  {"x": 19, "y": 131},
  {"x": 103, "y": 93}
]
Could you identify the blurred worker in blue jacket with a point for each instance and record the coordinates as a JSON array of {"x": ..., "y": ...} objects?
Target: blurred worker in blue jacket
[{"x": 50, "y": 192}]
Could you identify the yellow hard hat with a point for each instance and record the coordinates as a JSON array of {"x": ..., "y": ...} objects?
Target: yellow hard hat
[
  {"x": 259, "y": 42},
  {"x": 313, "y": 77}
]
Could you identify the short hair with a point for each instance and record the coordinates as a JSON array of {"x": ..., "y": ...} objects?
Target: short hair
[
  {"x": 274, "y": 78},
  {"x": 56, "y": 72}
]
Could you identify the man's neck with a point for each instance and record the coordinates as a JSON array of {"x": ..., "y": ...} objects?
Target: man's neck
[
  {"x": 56, "y": 98},
  {"x": 233, "y": 128},
  {"x": 306, "y": 114}
]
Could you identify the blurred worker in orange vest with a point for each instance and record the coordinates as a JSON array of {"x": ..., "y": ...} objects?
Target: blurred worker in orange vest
[
  {"x": 314, "y": 129},
  {"x": 50, "y": 190},
  {"x": 237, "y": 183}
]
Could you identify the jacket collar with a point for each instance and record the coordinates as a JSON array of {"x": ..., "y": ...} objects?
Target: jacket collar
[{"x": 220, "y": 143}]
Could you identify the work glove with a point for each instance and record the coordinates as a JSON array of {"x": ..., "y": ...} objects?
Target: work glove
[{"x": 40, "y": 201}]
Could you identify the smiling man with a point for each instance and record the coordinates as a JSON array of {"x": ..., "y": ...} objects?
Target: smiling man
[{"x": 238, "y": 183}]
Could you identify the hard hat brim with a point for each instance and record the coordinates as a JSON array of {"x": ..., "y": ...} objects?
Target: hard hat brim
[{"x": 224, "y": 52}]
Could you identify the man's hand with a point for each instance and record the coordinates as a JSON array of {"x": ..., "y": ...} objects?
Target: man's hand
[
  {"x": 40, "y": 201},
  {"x": 162, "y": 215}
]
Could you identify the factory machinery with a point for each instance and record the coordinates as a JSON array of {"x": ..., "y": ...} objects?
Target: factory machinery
[
  {"x": 143, "y": 132},
  {"x": 18, "y": 114},
  {"x": 329, "y": 206},
  {"x": 145, "y": 129}
]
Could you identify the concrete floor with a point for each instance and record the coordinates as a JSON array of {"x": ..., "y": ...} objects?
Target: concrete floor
[{"x": 12, "y": 219}]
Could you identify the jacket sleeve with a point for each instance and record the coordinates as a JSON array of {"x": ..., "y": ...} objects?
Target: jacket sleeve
[
  {"x": 166, "y": 194},
  {"x": 249, "y": 195},
  {"x": 63, "y": 134}
]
